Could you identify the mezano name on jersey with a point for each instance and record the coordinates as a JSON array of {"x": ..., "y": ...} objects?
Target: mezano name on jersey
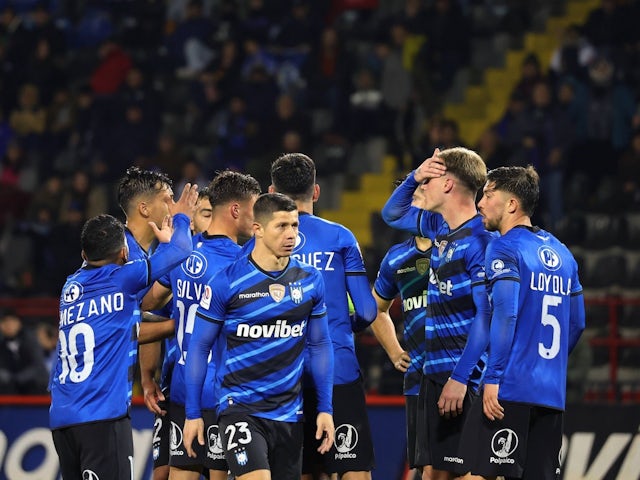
[{"x": 95, "y": 306}]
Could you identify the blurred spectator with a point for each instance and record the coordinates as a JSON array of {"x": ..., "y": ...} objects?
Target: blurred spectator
[
  {"x": 112, "y": 70},
  {"x": 16, "y": 171},
  {"x": 606, "y": 26},
  {"x": 169, "y": 158},
  {"x": 447, "y": 47},
  {"x": 47, "y": 335},
  {"x": 287, "y": 118},
  {"x": 81, "y": 200},
  {"x": 22, "y": 366},
  {"x": 368, "y": 116},
  {"x": 629, "y": 172},
  {"x": 192, "y": 172},
  {"x": 574, "y": 54},
  {"x": 61, "y": 121},
  {"x": 530, "y": 75},
  {"x": 190, "y": 46},
  {"x": 42, "y": 70},
  {"x": 29, "y": 118},
  {"x": 327, "y": 70},
  {"x": 234, "y": 131},
  {"x": 490, "y": 147}
]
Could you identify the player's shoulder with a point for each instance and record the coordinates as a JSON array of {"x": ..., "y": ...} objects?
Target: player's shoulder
[{"x": 324, "y": 225}]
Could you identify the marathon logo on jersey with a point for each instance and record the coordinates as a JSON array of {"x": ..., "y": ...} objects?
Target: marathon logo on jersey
[
  {"x": 277, "y": 291},
  {"x": 72, "y": 292},
  {"x": 175, "y": 440},
  {"x": 345, "y": 440},
  {"x": 195, "y": 266},
  {"x": 503, "y": 444},
  {"x": 295, "y": 290},
  {"x": 549, "y": 258},
  {"x": 281, "y": 329},
  {"x": 214, "y": 443},
  {"x": 205, "y": 301}
]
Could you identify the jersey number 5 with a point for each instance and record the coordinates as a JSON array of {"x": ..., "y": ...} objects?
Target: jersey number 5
[{"x": 549, "y": 320}]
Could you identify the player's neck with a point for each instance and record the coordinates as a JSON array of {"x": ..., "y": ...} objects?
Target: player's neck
[
  {"x": 458, "y": 212},
  {"x": 266, "y": 260},
  {"x": 516, "y": 221},
  {"x": 423, "y": 244},
  {"x": 141, "y": 231},
  {"x": 220, "y": 227},
  {"x": 305, "y": 206}
]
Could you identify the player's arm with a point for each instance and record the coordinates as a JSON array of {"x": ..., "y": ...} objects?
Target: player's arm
[
  {"x": 205, "y": 332},
  {"x": 385, "y": 332},
  {"x": 503, "y": 325},
  {"x": 155, "y": 327},
  {"x": 157, "y": 297},
  {"x": 577, "y": 320},
  {"x": 318, "y": 344},
  {"x": 577, "y": 312},
  {"x": 398, "y": 211},
  {"x": 149, "y": 358},
  {"x": 363, "y": 302}
]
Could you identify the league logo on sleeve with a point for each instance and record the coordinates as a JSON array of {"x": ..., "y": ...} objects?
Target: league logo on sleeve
[{"x": 205, "y": 301}]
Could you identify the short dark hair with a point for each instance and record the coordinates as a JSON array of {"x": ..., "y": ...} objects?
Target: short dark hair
[
  {"x": 294, "y": 174},
  {"x": 228, "y": 186},
  {"x": 523, "y": 182},
  {"x": 137, "y": 182},
  {"x": 269, "y": 203},
  {"x": 102, "y": 237}
]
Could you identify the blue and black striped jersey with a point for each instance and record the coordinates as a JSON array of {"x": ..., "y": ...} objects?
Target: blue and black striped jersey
[
  {"x": 264, "y": 320},
  {"x": 405, "y": 271}
]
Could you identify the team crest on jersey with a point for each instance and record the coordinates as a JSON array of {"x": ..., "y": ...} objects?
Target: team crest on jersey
[
  {"x": 195, "y": 265},
  {"x": 296, "y": 292},
  {"x": 442, "y": 244},
  {"x": 241, "y": 457},
  {"x": 549, "y": 258},
  {"x": 276, "y": 291},
  {"x": 73, "y": 292},
  {"x": 422, "y": 265},
  {"x": 89, "y": 475}
]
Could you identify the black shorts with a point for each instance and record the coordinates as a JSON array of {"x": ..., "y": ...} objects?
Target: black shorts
[
  {"x": 160, "y": 441},
  {"x": 415, "y": 436},
  {"x": 352, "y": 450},
  {"x": 524, "y": 444},
  {"x": 254, "y": 443},
  {"x": 210, "y": 455},
  {"x": 96, "y": 450},
  {"x": 442, "y": 435}
]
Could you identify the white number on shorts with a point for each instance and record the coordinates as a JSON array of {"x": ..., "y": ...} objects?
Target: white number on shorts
[
  {"x": 550, "y": 321},
  {"x": 69, "y": 353},
  {"x": 241, "y": 429},
  {"x": 157, "y": 425}
]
